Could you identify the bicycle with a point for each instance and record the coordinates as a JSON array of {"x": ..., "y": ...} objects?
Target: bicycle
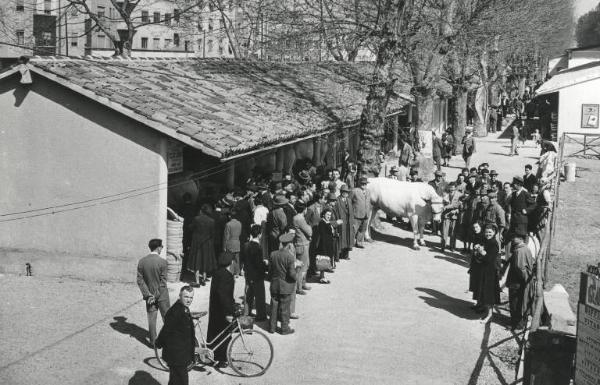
[{"x": 249, "y": 353}]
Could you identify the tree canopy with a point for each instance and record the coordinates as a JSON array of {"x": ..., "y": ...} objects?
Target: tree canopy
[{"x": 588, "y": 28}]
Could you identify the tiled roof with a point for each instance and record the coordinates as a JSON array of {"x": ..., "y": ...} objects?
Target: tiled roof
[{"x": 227, "y": 106}]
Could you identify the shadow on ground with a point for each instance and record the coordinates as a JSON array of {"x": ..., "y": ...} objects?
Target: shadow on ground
[
  {"x": 141, "y": 377},
  {"x": 122, "y": 326},
  {"x": 458, "y": 307}
]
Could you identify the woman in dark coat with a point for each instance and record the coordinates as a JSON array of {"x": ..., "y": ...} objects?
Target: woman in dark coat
[
  {"x": 324, "y": 241},
  {"x": 488, "y": 291},
  {"x": 345, "y": 212},
  {"x": 201, "y": 259},
  {"x": 476, "y": 235}
]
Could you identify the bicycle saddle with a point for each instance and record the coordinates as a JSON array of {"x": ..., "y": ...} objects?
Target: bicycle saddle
[{"x": 198, "y": 314}]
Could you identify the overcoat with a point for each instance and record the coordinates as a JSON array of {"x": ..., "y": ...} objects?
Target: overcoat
[
  {"x": 177, "y": 336},
  {"x": 202, "y": 251},
  {"x": 488, "y": 291},
  {"x": 361, "y": 203},
  {"x": 345, "y": 212},
  {"x": 324, "y": 240},
  {"x": 282, "y": 272},
  {"x": 221, "y": 304}
]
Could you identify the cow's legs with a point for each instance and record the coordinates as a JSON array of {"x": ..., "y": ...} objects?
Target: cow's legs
[
  {"x": 370, "y": 222},
  {"x": 414, "y": 222},
  {"x": 421, "y": 223}
]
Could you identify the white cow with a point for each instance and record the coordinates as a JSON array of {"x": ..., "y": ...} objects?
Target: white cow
[{"x": 417, "y": 201}]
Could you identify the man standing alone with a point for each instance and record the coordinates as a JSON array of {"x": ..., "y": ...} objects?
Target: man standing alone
[
  {"x": 152, "y": 281},
  {"x": 282, "y": 270},
  {"x": 177, "y": 338},
  {"x": 519, "y": 282}
]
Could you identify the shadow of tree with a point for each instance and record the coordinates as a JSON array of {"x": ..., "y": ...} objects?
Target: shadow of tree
[
  {"x": 122, "y": 326},
  {"x": 141, "y": 377}
]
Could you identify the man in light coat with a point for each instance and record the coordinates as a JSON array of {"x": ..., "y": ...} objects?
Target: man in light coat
[{"x": 361, "y": 206}]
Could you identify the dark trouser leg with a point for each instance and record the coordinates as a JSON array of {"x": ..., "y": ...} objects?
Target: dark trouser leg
[
  {"x": 312, "y": 258},
  {"x": 178, "y": 375},
  {"x": 452, "y": 231},
  {"x": 249, "y": 295},
  {"x": 275, "y": 299},
  {"x": 259, "y": 298},
  {"x": 152, "y": 314},
  {"x": 515, "y": 299},
  {"x": 285, "y": 300}
]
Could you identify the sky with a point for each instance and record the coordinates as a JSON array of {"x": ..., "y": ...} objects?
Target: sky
[{"x": 583, "y": 6}]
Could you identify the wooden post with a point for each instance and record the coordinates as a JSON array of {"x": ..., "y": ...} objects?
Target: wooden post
[
  {"x": 279, "y": 160},
  {"x": 230, "y": 177}
]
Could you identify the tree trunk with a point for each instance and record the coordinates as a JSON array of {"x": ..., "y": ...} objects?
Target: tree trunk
[
  {"x": 481, "y": 113},
  {"x": 458, "y": 114},
  {"x": 373, "y": 114},
  {"x": 424, "y": 102}
]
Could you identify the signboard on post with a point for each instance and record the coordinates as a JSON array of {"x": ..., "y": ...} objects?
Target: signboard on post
[
  {"x": 174, "y": 157},
  {"x": 589, "y": 115},
  {"x": 587, "y": 363}
]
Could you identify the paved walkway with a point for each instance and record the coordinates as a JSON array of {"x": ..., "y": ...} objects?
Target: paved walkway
[{"x": 391, "y": 315}]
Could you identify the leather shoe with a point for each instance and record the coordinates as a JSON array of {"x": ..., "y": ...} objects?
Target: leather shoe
[
  {"x": 300, "y": 292},
  {"x": 287, "y": 331},
  {"x": 304, "y": 287},
  {"x": 294, "y": 316},
  {"x": 359, "y": 246}
]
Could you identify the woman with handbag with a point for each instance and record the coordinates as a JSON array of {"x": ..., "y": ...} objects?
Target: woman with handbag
[
  {"x": 324, "y": 241},
  {"x": 488, "y": 285}
]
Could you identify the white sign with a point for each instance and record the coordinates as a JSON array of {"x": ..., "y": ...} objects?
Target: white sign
[
  {"x": 592, "y": 293},
  {"x": 587, "y": 365},
  {"x": 174, "y": 157}
]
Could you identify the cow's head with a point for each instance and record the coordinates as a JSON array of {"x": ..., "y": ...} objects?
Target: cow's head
[{"x": 436, "y": 202}]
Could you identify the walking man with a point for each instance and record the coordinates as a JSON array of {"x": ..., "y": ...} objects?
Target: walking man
[
  {"x": 152, "y": 281},
  {"x": 282, "y": 270},
  {"x": 177, "y": 338},
  {"x": 361, "y": 205},
  {"x": 468, "y": 143},
  {"x": 514, "y": 140}
]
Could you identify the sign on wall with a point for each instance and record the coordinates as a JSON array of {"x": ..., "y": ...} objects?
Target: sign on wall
[
  {"x": 587, "y": 365},
  {"x": 174, "y": 157},
  {"x": 589, "y": 115}
]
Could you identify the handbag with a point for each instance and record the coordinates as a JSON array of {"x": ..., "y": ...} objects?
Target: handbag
[{"x": 323, "y": 263}]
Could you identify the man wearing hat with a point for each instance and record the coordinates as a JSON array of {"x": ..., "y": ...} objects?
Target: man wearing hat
[
  {"x": 407, "y": 155},
  {"x": 514, "y": 139},
  {"x": 361, "y": 208},
  {"x": 520, "y": 207},
  {"x": 335, "y": 222},
  {"x": 350, "y": 179},
  {"x": 439, "y": 184},
  {"x": 468, "y": 143},
  {"x": 473, "y": 183},
  {"x": 519, "y": 279},
  {"x": 344, "y": 210},
  {"x": 393, "y": 173},
  {"x": 494, "y": 180},
  {"x": 221, "y": 306},
  {"x": 304, "y": 177},
  {"x": 450, "y": 216},
  {"x": 282, "y": 271},
  {"x": 277, "y": 221},
  {"x": 494, "y": 215}
]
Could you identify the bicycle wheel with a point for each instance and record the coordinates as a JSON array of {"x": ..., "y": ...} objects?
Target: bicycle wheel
[
  {"x": 165, "y": 366},
  {"x": 250, "y": 353}
]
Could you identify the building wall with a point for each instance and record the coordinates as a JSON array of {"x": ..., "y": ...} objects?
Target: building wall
[
  {"x": 570, "y": 104},
  {"x": 578, "y": 58},
  {"x": 58, "y": 147}
]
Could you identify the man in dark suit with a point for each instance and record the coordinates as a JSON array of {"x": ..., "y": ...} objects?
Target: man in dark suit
[
  {"x": 282, "y": 270},
  {"x": 521, "y": 205},
  {"x": 221, "y": 305},
  {"x": 361, "y": 207},
  {"x": 254, "y": 272},
  {"x": 529, "y": 178},
  {"x": 152, "y": 281},
  {"x": 177, "y": 338}
]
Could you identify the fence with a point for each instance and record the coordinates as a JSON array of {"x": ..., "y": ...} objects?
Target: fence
[
  {"x": 544, "y": 254},
  {"x": 590, "y": 143}
]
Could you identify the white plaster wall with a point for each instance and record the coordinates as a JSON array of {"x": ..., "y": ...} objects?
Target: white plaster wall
[
  {"x": 56, "y": 147},
  {"x": 569, "y": 108}
]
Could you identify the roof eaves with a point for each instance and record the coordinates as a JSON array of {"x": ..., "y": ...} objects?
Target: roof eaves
[
  {"x": 9, "y": 72},
  {"x": 128, "y": 112}
]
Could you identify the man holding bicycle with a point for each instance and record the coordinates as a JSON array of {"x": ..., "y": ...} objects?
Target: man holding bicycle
[
  {"x": 152, "y": 281},
  {"x": 177, "y": 338}
]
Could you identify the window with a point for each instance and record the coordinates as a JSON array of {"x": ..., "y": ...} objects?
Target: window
[
  {"x": 145, "y": 18},
  {"x": 167, "y": 19},
  {"x": 186, "y": 45},
  {"x": 144, "y": 43},
  {"x": 74, "y": 11},
  {"x": 168, "y": 43},
  {"x": 210, "y": 24},
  {"x": 47, "y": 6},
  {"x": 176, "y": 39},
  {"x": 74, "y": 37},
  {"x": 101, "y": 12},
  {"x": 156, "y": 43},
  {"x": 46, "y": 38},
  {"x": 20, "y": 5},
  {"x": 100, "y": 41},
  {"x": 210, "y": 45},
  {"x": 20, "y": 37},
  {"x": 176, "y": 14},
  {"x": 156, "y": 17}
]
